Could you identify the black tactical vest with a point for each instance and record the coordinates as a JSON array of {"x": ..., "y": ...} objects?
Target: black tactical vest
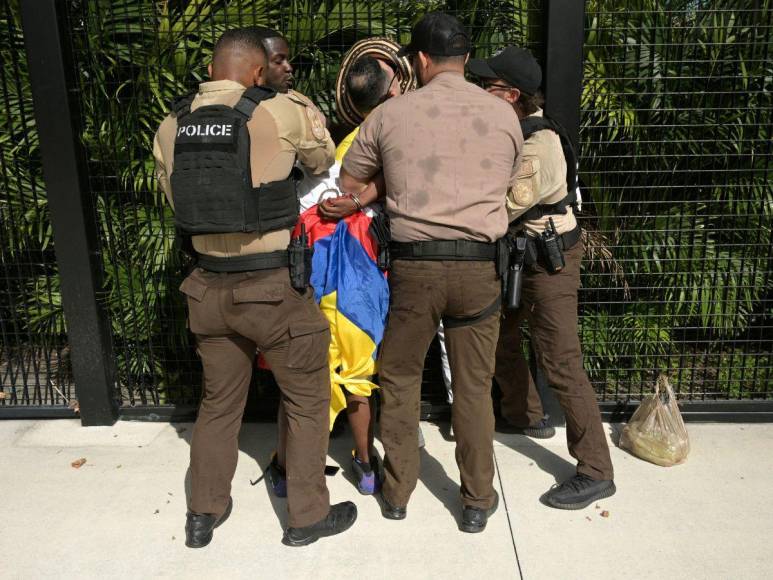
[
  {"x": 211, "y": 178},
  {"x": 531, "y": 125}
]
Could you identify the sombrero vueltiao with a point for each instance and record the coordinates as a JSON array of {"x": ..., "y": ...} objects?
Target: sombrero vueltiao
[{"x": 378, "y": 47}]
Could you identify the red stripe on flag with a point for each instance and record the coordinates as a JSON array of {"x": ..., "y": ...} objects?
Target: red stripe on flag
[{"x": 358, "y": 225}]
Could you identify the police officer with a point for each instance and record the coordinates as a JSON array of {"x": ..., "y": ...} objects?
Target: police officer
[
  {"x": 278, "y": 75},
  {"x": 279, "y": 72},
  {"x": 448, "y": 152},
  {"x": 541, "y": 208},
  {"x": 224, "y": 159}
]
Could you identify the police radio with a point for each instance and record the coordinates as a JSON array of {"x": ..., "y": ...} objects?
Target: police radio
[{"x": 551, "y": 251}]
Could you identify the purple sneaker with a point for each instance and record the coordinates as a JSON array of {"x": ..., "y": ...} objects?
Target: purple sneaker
[
  {"x": 277, "y": 478},
  {"x": 368, "y": 481}
]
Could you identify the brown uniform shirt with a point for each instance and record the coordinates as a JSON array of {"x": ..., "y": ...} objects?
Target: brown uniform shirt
[
  {"x": 282, "y": 129},
  {"x": 449, "y": 152},
  {"x": 541, "y": 179}
]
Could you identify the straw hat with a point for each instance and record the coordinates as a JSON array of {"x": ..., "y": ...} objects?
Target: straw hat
[{"x": 377, "y": 47}]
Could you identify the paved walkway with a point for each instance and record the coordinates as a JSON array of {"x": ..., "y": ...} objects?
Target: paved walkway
[{"x": 121, "y": 515}]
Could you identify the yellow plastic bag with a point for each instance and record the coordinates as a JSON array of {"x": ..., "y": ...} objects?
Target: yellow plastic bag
[{"x": 656, "y": 432}]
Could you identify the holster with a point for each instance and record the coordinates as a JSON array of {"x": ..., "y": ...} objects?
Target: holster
[
  {"x": 299, "y": 255},
  {"x": 515, "y": 273},
  {"x": 380, "y": 229},
  {"x": 502, "y": 261},
  {"x": 185, "y": 243}
]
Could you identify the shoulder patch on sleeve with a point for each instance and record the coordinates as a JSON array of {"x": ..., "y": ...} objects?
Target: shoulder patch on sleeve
[
  {"x": 527, "y": 168},
  {"x": 524, "y": 191},
  {"x": 317, "y": 127},
  {"x": 523, "y": 194}
]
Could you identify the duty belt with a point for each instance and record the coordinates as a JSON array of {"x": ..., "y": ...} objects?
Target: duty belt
[
  {"x": 267, "y": 261},
  {"x": 565, "y": 242},
  {"x": 463, "y": 250}
]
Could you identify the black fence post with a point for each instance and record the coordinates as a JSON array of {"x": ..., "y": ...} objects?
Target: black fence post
[
  {"x": 72, "y": 216},
  {"x": 564, "y": 34}
]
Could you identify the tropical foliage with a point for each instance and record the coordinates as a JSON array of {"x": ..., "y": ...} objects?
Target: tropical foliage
[
  {"x": 676, "y": 138},
  {"x": 675, "y": 142}
]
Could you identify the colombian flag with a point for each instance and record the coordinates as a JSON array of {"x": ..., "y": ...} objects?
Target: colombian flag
[{"x": 353, "y": 294}]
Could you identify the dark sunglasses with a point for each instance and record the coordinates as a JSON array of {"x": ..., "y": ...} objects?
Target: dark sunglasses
[{"x": 489, "y": 86}]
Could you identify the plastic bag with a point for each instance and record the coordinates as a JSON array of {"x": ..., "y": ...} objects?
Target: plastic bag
[{"x": 656, "y": 432}]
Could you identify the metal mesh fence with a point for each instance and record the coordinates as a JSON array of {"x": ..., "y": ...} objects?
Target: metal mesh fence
[
  {"x": 134, "y": 58},
  {"x": 34, "y": 361},
  {"x": 675, "y": 163},
  {"x": 676, "y": 155}
]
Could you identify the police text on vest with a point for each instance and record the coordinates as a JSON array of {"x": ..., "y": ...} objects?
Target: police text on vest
[{"x": 218, "y": 130}]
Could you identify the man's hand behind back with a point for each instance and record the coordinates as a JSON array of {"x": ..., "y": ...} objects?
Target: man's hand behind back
[{"x": 337, "y": 208}]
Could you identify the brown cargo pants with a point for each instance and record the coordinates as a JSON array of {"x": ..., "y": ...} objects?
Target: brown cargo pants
[
  {"x": 233, "y": 315},
  {"x": 423, "y": 292},
  {"x": 549, "y": 303}
]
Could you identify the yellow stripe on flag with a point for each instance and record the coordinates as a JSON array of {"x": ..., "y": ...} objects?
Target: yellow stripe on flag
[{"x": 350, "y": 357}]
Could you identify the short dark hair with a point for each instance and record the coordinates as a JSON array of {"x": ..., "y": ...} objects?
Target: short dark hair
[
  {"x": 530, "y": 104},
  {"x": 238, "y": 37},
  {"x": 366, "y": 83},
  {"x": 264, "y": 33},
  {"x": 457, "y": 59}
]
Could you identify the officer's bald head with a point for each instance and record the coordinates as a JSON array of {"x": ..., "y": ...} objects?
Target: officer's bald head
[{"x": 239, "y": 56}]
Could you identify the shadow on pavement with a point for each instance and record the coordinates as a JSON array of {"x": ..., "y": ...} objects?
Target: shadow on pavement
[
  {"x": 434, "y": 477},
  {"x": 615, "y": 431},
  {"x": 256, "y": 444},
  {"x": 257, "y": 447},
  {"x": 555, "y": 465}
]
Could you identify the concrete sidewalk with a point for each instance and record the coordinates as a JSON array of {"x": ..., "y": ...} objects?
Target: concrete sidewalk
[{"x": 121, "y": 515}]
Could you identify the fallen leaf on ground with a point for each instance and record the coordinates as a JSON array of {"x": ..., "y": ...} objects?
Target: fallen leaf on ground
[
  {"x": 118, "y": 467},
  {"x": 169, "y": 493},
  {"x": 155, "y": 512},
  {"x": 588, "y": 518},
  {"x": 598, "y": 507},
  {"x": 174, "y": 538},
  {"x": 78, "y": 463},
  {"x": 605, "y": 514}
]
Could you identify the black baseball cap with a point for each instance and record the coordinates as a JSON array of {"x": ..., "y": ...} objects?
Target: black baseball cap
[
  {"x": 516, "y": 66},
  {"x": 437, "y": 34}
]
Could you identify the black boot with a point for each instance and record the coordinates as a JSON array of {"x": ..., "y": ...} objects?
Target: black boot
[
  {"x": 391, "y": 512},
  {"x": 540, "y": 430},
  {"x": 579, "y": 492},
  {"x": 339, "y": 519},
  {"x": 474, "y": 519},
  {"x": 199, "y": 527}
]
